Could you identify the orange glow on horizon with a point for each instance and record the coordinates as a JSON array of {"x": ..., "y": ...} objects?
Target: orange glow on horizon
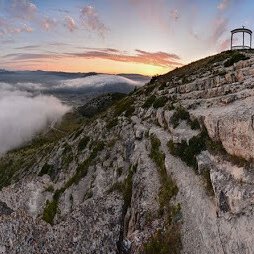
[{"x": 90, "y": 65}]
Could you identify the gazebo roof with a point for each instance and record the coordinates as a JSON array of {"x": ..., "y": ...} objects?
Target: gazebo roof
[{"x": 242, "y": 29}]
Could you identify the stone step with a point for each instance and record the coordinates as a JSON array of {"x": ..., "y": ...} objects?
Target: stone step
[{"x": 220, "y": 100}]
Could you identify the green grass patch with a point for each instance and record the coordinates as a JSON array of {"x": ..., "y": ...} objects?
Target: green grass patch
[
  {"x": 82, "y": 169},
  {"x": 168, "y": 187},
  {"x": 130, "y": 111},
  {"x": 167, "y": 240},
  {"x": 164, "y": 242},
  {"x": 50, "y": 209},
  {"x": 157, "y": 156},
  {"x": 125, "y": 187}
]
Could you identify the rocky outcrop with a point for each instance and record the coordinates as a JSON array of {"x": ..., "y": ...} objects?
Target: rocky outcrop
[{"x": 104, "y": 189}]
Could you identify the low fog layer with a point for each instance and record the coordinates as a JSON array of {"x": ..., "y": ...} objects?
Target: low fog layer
[
  {"x": 97, "y": 83},
  {"x": 22, "y": 116},
  {"x": 27, "y": 105},
  {"x": 52, "y": 82}
]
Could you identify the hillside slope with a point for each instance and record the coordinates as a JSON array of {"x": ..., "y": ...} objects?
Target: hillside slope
[{"x": 167, "y": 169}]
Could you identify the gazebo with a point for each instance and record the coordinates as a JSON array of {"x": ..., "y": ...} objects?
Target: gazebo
[{"x": 244, "y": 45}]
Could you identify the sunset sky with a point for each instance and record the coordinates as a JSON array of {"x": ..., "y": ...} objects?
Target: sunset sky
[{"x": 116, "y": 36}]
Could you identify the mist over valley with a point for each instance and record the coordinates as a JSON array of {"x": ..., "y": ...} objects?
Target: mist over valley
[{"x": 32, "y": 101}]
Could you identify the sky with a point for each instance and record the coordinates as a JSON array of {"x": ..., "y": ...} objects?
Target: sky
[{"x": 116, "y": 36}]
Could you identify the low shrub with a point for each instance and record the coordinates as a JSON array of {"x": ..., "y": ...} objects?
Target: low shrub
[
  {"x": 149, "y": 89},
  {"x": 149, "y": 101},
  {"x": 208, "y": 183},
  {"x": 88, "y": 194},
  {"x": 47, "y": 169},
  {"x": 112, "y": 123},
  {"x": 154, "y": 78},
  {"x": 195, "y": 124},
  {"x": 83, "y": 143},
  {"x": 235, "y": 58},
  {"x": 180, "y": 114},
  {"x": 160, "y": 102},
  {"x": 129, "y": 112},
  {"x": 67, "y": 159},
  {"x": 188, "y": 152},
  {"x": 125, "y": 187},
  {"x": 77, "y": 133},
  {"x": 162, "y": 86},
  {"x": 185, "y": 80},
  {"x": 50, "y": 188},
  {"x": 123, "y": 105}
]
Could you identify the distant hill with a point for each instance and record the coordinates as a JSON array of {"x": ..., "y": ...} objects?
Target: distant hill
[{"x": 137, "y": 77}]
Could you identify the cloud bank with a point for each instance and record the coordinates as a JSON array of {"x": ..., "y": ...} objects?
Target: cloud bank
[
  {"x": 159, "y": 58},
  {"x": 22, "y": 116},
  {"x": 97, "y": 81}
]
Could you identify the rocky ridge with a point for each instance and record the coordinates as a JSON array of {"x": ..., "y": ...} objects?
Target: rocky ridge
[{"x": 168, "y": 169}]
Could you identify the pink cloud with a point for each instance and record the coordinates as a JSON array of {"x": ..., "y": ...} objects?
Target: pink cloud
[
  {"x": 161, "y": 59},
  {"x": 219, "y": 27},
  {"x": 224, "y": 45},
  {"x": 6, "y": 27},
  {"x": 48, "y": 23},
  {"x": 92, "y": 22},
  {"x": 224, "y": 4},
  {"x": 70, "y": 23},
  {"x": 152, "y": 11},
  {"x": 23, "y": 9}
]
